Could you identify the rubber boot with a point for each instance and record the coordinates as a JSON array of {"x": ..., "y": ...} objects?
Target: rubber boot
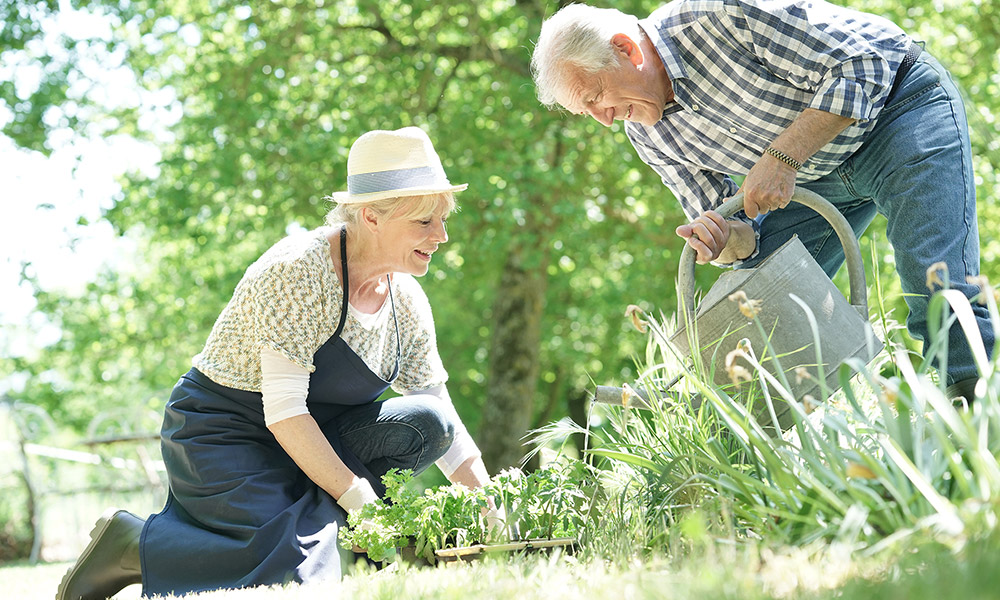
[
  {"x": 963, "y": 392},
  {"x": 109, "y": 562}
]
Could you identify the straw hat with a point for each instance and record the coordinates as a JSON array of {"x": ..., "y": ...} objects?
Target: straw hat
[{"x": 390, "y": 164}]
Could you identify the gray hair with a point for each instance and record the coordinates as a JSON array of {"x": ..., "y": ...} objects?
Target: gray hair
[
  {"x": 576, "y": 36},
  {"x": 403, "y": 207}
]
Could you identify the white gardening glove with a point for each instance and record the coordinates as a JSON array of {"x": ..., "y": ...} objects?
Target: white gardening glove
[
  {"x": 356, "y": 496},
  {"x": 352, "y": 500},
  {"x": 496, "y": 523}
]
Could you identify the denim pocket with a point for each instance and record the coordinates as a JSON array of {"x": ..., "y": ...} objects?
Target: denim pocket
[{"x": 906, "y": 101}]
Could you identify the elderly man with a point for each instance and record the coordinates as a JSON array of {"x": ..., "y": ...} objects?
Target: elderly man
[{"x": 840, "y": 102}]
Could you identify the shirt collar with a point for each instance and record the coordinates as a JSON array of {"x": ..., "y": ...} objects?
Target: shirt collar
[
  {"x": 671, "y": 108},
  {"x": 667, "y": 51},
  {"x": 664, "y": 47}
]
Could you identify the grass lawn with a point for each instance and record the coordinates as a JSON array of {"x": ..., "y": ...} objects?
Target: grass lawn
[{"x": 747, "y": 573}]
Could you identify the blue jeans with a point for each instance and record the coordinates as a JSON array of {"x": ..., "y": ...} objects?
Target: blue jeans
[
  {"x": 915, "y": 168},
  {"x": 407, "y": 432}
]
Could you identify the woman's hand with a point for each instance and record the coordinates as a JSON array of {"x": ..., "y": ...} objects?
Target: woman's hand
[
  {"x": 354, "y": 499},
  {"x": 496, "y": 519}
]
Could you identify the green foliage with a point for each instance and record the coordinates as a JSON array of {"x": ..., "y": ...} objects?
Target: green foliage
[
  {"x": 887, "y": 459},
  {"x": 724, "y": 572},
  {"x": 382, "y": 526},
  {"x": 271, "y": 95},
  {"x": 550, "y": 502},
  {"x": 260, "y": 103},
  {"x": 547, "y": 503},
  {"x": 15, "y": 528},
  {"x": 20, "y": 27}
]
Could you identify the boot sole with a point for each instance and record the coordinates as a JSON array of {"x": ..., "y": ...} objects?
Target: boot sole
[{"x": 95, "y": 534}]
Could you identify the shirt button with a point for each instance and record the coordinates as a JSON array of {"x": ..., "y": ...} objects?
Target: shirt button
[
  {"x": 811, "y": 166},
  {"x": 695, "y": 108},
  {"x": 732, "y": 130}
]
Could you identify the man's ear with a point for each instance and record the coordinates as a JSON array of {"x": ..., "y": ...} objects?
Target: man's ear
[{"x": 628, "y": 48}]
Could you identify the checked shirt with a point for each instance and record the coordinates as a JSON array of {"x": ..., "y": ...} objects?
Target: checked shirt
[{"x": 743, "y": 70}]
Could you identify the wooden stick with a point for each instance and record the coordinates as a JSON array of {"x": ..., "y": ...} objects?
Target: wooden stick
[{"x": 484, "y": 548}]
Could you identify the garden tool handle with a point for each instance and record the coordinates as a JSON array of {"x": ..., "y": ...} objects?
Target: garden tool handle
[{"x": 852, "y": 251}]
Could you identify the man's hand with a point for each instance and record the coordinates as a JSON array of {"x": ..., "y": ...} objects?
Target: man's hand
[
  {"x": 770, "y": 183},
  {"x": 707, "y": 235},
  {"x": 716, "y": 239},
  {"x": 768, "y": 186}
]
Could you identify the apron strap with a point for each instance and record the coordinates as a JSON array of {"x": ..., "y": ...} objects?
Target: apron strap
[
  {"x": 343, "y": 308},
  {"x": 399, "y": 347},
  {"x": 343, "y": 283}
]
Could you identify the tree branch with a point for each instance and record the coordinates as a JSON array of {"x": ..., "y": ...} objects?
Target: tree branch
[{"x": 444, "y": 86}]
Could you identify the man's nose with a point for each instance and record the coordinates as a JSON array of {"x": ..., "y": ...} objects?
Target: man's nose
[{"x": 603, "y": 116}]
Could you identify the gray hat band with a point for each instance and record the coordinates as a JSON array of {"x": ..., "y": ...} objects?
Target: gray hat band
[{"x": 396, "y": 179}]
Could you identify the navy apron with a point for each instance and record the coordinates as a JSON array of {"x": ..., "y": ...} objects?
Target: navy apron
[{"x": 239, "y": 511}]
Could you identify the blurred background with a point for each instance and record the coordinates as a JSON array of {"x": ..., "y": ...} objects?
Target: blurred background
[{"x": 150, "y": 151}]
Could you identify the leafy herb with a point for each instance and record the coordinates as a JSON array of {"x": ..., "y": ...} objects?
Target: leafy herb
[{"x": 548, "y": 502}]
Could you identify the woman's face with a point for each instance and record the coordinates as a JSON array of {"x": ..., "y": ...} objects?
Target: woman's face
[{"x": 410, "y": 242}]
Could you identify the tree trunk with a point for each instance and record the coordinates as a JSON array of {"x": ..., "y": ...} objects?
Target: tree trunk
[{"x": 513, "y": 364}]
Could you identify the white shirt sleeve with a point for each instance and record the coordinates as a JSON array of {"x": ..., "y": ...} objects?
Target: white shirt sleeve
[
  {"x": 284, "y": 386},
  {"x": 463, "y": 447}
]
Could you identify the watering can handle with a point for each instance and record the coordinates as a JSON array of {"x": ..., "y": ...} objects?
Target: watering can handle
[{"x": 852, "y": 251}]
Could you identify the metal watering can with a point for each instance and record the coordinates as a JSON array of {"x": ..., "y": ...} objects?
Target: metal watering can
[{"x": 843, "y": 328}]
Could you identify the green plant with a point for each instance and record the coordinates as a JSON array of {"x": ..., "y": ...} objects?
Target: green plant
[
  {"x": 884, "y": 459},
  {"x": 548, "y": 502}
]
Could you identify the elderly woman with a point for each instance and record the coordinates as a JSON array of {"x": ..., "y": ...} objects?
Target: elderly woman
[{"x": 274, "y": 435}]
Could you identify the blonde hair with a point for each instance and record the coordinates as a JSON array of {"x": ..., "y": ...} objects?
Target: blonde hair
[
  {"x": 403, "y": 207},
  {"x": 577, "y": 36}
]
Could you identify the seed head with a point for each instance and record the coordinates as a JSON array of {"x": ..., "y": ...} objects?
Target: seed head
[
  {"x": 628, "y": 395},
  {"x": 984, "y": 284},
  {"x": 737, "y": 373},
  {"x": 934, "y": 275},
  {"x": 889, "y": 394},
  {"x": 633, "y": 312},
  {"x": 861, "y": 471},
  {"x": 750, "y": 308}
]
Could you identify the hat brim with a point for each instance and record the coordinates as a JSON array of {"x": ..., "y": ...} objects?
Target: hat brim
[{"x": 349, "y": 198}]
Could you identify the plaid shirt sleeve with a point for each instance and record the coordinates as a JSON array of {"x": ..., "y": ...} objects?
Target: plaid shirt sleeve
[
  {"x": 696, "y": 190},
  {"x": 744, "y": 70},
  {"x": 814, "y": 47}
]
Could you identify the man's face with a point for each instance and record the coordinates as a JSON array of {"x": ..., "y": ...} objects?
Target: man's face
[{"x": 623, "y": 92}]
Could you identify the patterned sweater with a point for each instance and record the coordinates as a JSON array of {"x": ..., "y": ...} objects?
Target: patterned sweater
[{"x": 290, "y": 300}]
